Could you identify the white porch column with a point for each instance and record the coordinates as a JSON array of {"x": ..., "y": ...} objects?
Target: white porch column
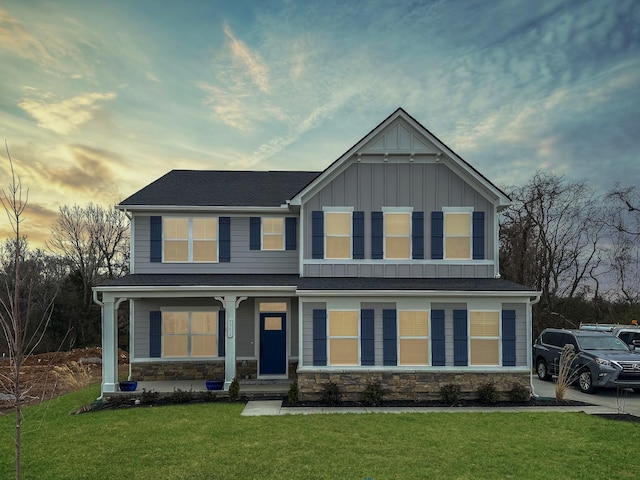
[
  {"x": 230, "y": 303},
  {"x": 109, "y": 345}
]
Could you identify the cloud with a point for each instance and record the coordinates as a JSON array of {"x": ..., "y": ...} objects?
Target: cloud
[
  {"x": 17, "y": 39},
  {"x": 64, "y": 116},
  {"x": 254, "y": 66}
]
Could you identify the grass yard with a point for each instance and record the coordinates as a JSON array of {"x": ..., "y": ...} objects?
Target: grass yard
[{"x": 206, "y": 441}]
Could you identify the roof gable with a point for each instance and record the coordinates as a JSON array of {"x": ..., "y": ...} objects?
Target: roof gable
[{"x": 401, "y": 134}]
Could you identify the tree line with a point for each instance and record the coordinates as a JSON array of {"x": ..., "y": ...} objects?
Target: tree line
[{"x": 579, "y": 248}]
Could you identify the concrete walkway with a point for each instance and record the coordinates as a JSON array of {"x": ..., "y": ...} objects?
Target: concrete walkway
[{"x": 257, "y": 408}]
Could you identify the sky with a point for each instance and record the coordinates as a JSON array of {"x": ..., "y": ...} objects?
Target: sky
[{"x": 98, "y": 99}]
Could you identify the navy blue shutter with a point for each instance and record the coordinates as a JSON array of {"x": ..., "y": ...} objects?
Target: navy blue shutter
[
  {"x": 155, "y": 334},
  {"x": 460, "y": 344},
  {"x": 221, "y": 332},
  {"x": 478, "y": 235},
  {"x": 255, "y": 233},
  {"x": 358, "y": 235},
  {"x": 437, "y": 235},
  {"x": 317, "y": 234},
  {"x": 389, "y": 338},
  {"x": 367, "y": 338},
  {"x": 155, "y": 233},
  {"x": 377, "y": 233},
  {"x": 290, "y": 233},
  {"x": 224, "y": 242},
  {"x": 509, "y": 338},
  {"x": 319, "y": 337},
  {"x": 437, "y": 339},
  {"x": 417, "y": 235}
]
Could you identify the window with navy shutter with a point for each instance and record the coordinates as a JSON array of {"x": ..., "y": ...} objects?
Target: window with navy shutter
[
  {"x": 155, "y": 334},
  {"x": 317, "y": 234},
  {"x": 319, "y": 337},
  {"x": 437, "y": 235},
  {"x": 508, "y": 338},
  {"x": 377, "y": 235},
  {"x": 417, "y": 235},
  {"x": 460, "y": 338},
  {"x": 478, "y": 235},
  {"x": 156, "y": 239},
  {"x": 221, "y": 333},
  {"x": 367, "y": 337},
  {"x": 254, "y": 233},
  {"x": 290, "y": 224},
  {"x": 224, "y": 227},
  {"x": 389, "y": 338},
  {"x": 358, "y": 235},
  {"x": 438, "y": 358}
]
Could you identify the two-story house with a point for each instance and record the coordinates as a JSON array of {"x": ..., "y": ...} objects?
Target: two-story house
[{"x": 383, "y": 267}]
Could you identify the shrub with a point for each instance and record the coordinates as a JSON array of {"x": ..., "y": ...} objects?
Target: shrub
[
  {"x": 148, "y": 397},
  {"x": 519, "y": 393},
  {"x": 373, "y": 394},
  {"x": 206, "y": 397},
  {"x": 292, "y": 396},
  {"x": 567, "y": 373},
  {"x": 234, "y": 390},
  {"x": 487, "y": 393},
  {"x": 180, "y": 396},
  {"x": 74, "y": 376},
  {"x": 331, "y": 394},
  {"x": 450, "y": 394}
]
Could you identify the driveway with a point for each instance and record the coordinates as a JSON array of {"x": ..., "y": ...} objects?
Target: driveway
[{"x": 625, "y": 400}]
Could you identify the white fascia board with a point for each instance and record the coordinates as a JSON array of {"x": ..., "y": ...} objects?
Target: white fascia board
[
  {"x": 409, "y": 369},
  {"x": 193, "y": 291},
  {"x": 414, "y": 293},
  {"x": 201, "y": 208}
]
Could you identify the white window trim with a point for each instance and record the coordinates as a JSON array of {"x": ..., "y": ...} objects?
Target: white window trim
[
  {"x": 446, "y": 210},
  {"x": 357, "y": 337},
  {"x": 283, "y": 235},
  {"x": 407, "y": 210},
  {"x": 348, "y": 210},
  {"x": 499, "y": 337},
  {"x": 190, "y": 240},
  {"x": 416, "y": 337},
  {"x": 189, "y": 311}
]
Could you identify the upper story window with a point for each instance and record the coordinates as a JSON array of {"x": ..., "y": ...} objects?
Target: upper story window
[
  {"x": 397, "y": 235},
  {"x": 457, "y": 235},
  {"x": 273, "y": 233},
  {"x": 337, "y": 227},
  {"x": 190, "y": 239}
]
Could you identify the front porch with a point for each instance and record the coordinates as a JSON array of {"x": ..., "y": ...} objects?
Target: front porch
[{"x": 248, "y": 388}]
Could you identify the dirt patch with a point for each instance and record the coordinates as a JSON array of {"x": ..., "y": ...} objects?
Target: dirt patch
[{"x": 39, "y": 380}]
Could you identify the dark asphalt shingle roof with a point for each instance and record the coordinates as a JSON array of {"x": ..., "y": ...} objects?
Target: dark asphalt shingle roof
[
  {"x": 223, "y": 188},
  {"x": 318, "y": 283}
]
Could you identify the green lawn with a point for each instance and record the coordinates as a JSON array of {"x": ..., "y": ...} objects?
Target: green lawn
[{"x": 213, "y": 441}]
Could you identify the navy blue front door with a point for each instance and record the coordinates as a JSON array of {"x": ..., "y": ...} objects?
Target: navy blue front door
[{"x": 273, "y": 344}]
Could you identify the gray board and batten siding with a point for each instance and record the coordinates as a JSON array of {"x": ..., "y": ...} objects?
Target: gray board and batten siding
[
  {"x": 427, "y": 187},
  {"x": 243, "y": 259}
]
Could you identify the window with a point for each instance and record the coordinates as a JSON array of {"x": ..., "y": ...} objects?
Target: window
[
  {"x": 397, "y": 235},
  {"x": 273, "y": 307},
  {"x": 337, "y": 228},
  {"x": 190, "y": 239},
  {"x": 413, "y": 336},
  {"x": 457, "y": 233},
  {"x": 273, "y": 233},
  {"x": 343, "y": 337},
  {"x": 189, "y": 334},
  {"x": 484, "y": 333}
]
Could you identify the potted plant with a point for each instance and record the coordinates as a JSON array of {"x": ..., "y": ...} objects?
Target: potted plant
[
  {"x": 214, "y": 384},
  {"x": 128, "y": 385}
]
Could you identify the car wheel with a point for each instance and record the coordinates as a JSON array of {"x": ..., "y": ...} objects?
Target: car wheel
[
  {"x": 541, "y": 369},
  {"x": 585, "y": 382}
]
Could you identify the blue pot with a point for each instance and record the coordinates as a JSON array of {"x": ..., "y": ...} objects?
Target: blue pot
[
  {"x": 214, "y": 384},
  {"x": 128, "y": 385}
]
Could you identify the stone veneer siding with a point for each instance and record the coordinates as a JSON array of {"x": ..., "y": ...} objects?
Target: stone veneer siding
[
  {"x": 203, "y": 370},
  {"x": 413, "y": 386}
]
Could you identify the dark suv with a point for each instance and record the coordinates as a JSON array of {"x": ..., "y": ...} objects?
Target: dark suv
[{"x": 603, "y": 361}]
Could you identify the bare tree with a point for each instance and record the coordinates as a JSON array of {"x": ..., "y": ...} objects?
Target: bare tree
[
  {"x": 94, "y": 244},
  {"x": 20, "y": 335}
]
